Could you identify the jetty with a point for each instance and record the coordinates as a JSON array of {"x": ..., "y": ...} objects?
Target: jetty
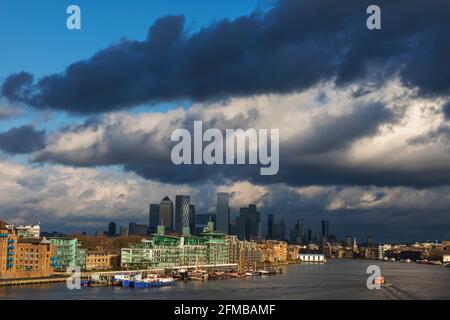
[{"x": 31, "y": 281}]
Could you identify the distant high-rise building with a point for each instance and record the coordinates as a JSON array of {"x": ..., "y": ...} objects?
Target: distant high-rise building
[
  {"x": 192, "y": 219},
  {"x": 241, "y": 226},
  {"x": 135, "y": 229},
  {"x": 223, "y": 212},
  {"x": 123, "y": 231},
  {"x": 181, "y": 213},
  {"x": 112, "y": 229},
  {"x": 325, "y": 229},
  {"x": 279, "y": 232},
  {"x": 370, "y": 242},
  {"x": 248, "y": 223},
  {"x": 297, "y": 233},
  {"x": 349, "y": 241},
  {"x": 166, "y": 214},
  {"x": 301, "y": 228},
  {"x": 270, "y": 223},
  {"x": 309, "y": 238},
  {"x": 153, "y": 218}
]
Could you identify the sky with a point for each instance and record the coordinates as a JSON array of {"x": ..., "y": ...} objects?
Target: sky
[{"x": 86, "y": 115}]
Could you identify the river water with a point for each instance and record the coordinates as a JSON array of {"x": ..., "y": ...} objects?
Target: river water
[{"x": 336, "y": 279}]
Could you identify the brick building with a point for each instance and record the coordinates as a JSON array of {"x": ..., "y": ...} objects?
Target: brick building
[
  {"x": 101, "y": 261},
  {"x": 24, "y": 258},
  {"x": 274, "y": 251}
]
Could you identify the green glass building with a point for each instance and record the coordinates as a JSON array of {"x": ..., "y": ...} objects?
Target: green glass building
[
  {"x": 164, "y": 251},
  {"x": 68, "y": 253}
]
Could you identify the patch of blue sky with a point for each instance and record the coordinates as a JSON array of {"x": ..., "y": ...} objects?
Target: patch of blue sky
[{"x": 35, "y": 37}]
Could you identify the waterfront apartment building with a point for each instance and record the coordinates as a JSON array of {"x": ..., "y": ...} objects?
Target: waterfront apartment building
[
  {"x": 68, "y": 253},
  {"x": 97, "y": 260},
  {"x": 223, "y": 213},
  {"x": 216, "y": 248},
  {"x": 293, "y": 252},
  {"x": 165, "y": 251},
  {"x": 446, "y": 258},
  {"x": 193, "y": 251},
  {"x": 24, "y": 257},
  {"x": 26, "y": 231},
  {"x": 162, "y": 251},
  {"x": 274, "y": 251},
  {"x": 246, "y": 254}
]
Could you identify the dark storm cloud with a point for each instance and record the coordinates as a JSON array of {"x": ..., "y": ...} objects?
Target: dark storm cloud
[
  {"x": 317, "y": 157},
  {"x": 24, "y": 139},
  {"x": 294, "y": 45},
  {"x": 335, "y": 133}
]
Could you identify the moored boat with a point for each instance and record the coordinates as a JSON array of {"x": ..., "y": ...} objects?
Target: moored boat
[{"x": 153, "y": 281}]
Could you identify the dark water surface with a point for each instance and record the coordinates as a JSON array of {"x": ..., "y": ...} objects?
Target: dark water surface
[{"x": 336, "y": 279}]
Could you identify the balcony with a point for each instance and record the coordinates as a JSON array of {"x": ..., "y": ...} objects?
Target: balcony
[
  {"x": 10, "y": 240},
  {"x": 10, "y": 259},
  {"x": 10, "y": 265},
  {"x": 3, "y": 235},
  {"x": 10, "y": 253},
  {"x": 54, "y": 258},
  {"x": 10, "y": 247}
]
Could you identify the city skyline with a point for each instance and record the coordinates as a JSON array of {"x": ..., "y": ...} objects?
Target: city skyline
[
  {"x": 312, "y": 230},
  {"x": 249, "y": 224},
  {"x": 363, "y": 115}
]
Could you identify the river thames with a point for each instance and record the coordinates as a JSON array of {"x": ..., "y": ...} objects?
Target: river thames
[{"x": 336, "y": 279}]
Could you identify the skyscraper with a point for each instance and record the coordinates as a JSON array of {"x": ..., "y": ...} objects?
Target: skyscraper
[
  {"x": 279, "y": 231},
  {"x": 166, "y": 214},
  {"x": 297, "y": 233},
  {"x": 153, "y": 218},
  {"x": 123, "y": 231},
  {"x": 301, "y": 228},
  {"x": 328, "y": 228},
  {"x": 248, "y": 224},
  {"x": 349, "y": 241},
  {"x": 181, "y": 213},
  {"x": 135, "y": 229},
  {"x": 223, "y": 213},
  {"x": 325, "y": 228},
  {"x": 112, "y": 229},
  {"x": 270, "y": 223},
  {"x": 192, "y": 219}
]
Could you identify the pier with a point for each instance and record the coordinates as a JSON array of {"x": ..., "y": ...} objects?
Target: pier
[{"x": 20, "y": 282}]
